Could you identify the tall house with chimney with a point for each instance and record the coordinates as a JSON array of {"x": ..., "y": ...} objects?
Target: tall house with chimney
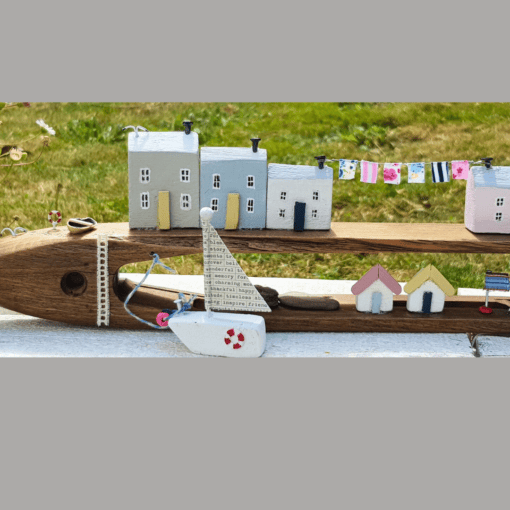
[
  {"x": 164, "y": 179},
  {"x": 233, "y": 183}
]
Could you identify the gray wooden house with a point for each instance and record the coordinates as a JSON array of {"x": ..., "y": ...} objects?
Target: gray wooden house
[
  {"x": 233, "y": 183},
  {"x": 164, "y": 180}
]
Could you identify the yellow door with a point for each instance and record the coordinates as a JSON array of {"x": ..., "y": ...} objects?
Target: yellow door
[
  {"x": 232, "y": 220},
  {"x": 164, "y": 210}
]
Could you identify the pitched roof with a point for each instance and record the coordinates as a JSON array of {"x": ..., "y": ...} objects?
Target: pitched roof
[
  {"x": 429, "y": 273},
  {"x": 495, "y": 177},
  {"x": 300, "y": 172},
  {"x": 166, "y": 141},
  {"x": 376, "y": 273}
]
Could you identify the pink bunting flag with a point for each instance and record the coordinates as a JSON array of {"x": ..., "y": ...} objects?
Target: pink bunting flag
[
  {"x": 369, "y": 171},
  {"x": 460, "y": 169},
  {"x": 392, "y": 173}
]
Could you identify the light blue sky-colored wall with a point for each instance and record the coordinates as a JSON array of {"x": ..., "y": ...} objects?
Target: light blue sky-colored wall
[{"x": 234, "y": 166}]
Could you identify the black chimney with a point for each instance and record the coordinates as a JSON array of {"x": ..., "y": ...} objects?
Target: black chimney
[
  {"x": 187, "y": 126},
  {"x": 320, "y": 160},
  {"x": 255, "y": 144},
  {"x": 488, "y": 162}
]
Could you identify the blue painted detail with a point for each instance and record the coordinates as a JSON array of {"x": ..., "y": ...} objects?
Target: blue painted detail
[
  {"x": 299, "y": 216},
  {"x": 497, "y": 282},
  {"x": 234, "y": 165},
  {"x": 376, "y": 302},
  {"x": 427, "y": 302},
  {"x": 495, "y": 177}
]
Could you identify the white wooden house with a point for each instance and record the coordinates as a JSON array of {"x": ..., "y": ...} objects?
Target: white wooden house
[
  {"x": 299, "y": 197},
  {"x": 374, "y": 291},
  {"x": 427, "y": 291}
]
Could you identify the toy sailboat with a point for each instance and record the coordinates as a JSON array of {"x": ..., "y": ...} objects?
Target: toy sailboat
[{"x": 226, "y": 288}]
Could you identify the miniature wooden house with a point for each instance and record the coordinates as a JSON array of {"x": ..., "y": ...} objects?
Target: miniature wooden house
[
  {"x": 374, "y": 291},
  {"x": 233, "y": 183},
  {"x": 427, "y": 290},
  {"x": 163, "y": 180},
  {"x": 487, "y": 208},
  {"x": 299, "y": 197}
]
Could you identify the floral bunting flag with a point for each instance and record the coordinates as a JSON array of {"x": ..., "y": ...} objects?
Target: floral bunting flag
[
  {"x": 369, "y": 171},
  {"x": 460, "y": 169},
  {"x": 440, "y": 171},
  {"x": 416, "y": 173},
  {"x": 347, "y": 168},
  {"x": 392, "y": 173}
]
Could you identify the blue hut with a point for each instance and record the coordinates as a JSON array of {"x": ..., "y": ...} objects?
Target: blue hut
[{"x": 233, "y": 183}]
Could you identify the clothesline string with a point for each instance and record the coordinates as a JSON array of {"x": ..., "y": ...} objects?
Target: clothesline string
[{"x": 407, "y": 164}]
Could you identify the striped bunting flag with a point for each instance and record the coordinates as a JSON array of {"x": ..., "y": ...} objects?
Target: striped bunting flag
[
  {"x": 369, "y": 171},
  {"x": 440, "y": 171}
]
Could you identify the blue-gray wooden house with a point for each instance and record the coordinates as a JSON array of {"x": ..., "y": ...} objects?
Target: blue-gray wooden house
[{"x": 233, "y": 183}]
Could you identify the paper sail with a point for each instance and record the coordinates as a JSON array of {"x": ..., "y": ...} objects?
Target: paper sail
[{"x": 226, "y": 285}]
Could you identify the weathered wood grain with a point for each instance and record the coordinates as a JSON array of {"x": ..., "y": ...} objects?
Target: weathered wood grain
[{"x": 32, "y": 266}]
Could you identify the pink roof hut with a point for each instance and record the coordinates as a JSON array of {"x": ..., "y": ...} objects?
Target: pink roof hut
[
  {"x": 374, "y": 291},
  {"x": 487, "y": 207}
]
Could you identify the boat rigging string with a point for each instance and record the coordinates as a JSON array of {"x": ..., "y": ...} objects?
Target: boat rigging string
[{"x": 186, "y": 305}]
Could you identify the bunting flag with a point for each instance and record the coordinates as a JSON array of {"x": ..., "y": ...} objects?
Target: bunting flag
[
  {"x": 369, "y": 171},
  {"x": 416, "y": 173},
  {"x": 347, "y": 168},
  {"x": 460, "y": 169},
  {"x": 392, "y": 173},
  {"x": 440, "y": 171}
]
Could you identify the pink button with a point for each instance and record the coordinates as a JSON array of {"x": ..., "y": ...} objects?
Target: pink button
[{"x": 160, "y": 317}]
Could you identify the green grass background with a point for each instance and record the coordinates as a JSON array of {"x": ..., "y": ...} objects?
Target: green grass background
[{"x": 84, "y": 171}]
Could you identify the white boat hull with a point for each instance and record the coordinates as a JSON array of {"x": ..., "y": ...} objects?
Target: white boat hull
[{"x": 221, "y": 334}]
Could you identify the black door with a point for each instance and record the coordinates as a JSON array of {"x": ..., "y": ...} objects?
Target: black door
[
  {"x": 299, "y": 216},
  {"x": 427, "y": 301}
]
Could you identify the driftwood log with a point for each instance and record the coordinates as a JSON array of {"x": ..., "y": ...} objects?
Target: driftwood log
[{"x": 53, "y": 274}]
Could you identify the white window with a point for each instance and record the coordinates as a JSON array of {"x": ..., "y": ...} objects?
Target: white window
[
  {"x": 314, "y": 213},
  {"x": 144, "y": 199},
  {"x": 185, "y": 174},
  {"x": 282, "y": 213},
  {"x": 499, "y": 216},
  {"x": 283, "y": 196},
  {"x": 216, "y": 181},
  {"x": 145, "y": 175},
  {"x": 185, "y": 202},
  {"x": 250, "y": 181},
  {"x": 250, "y": 205},
  {"x": 316, "y": 195},
  {"x": 500, "y": 201},
  {"x": 214, "y": 204}
]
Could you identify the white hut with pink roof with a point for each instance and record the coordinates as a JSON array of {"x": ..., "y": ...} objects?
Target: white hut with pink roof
[
  {"x": 374, "y": 291},
  {"x": 487, "y": 207}
]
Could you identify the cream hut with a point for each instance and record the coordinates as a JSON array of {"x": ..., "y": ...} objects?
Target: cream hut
[{"x": 427, "y": 290}]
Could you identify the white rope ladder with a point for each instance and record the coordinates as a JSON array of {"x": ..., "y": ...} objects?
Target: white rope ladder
[{"x": 103, "y": 298}]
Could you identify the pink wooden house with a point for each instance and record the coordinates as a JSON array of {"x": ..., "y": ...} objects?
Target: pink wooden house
[
  {"x": 374, "y": 291},
  {"x": 487, "y": 207}
]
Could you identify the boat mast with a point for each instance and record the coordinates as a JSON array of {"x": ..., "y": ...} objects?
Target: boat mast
[{"x": 206, "y": 214}]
